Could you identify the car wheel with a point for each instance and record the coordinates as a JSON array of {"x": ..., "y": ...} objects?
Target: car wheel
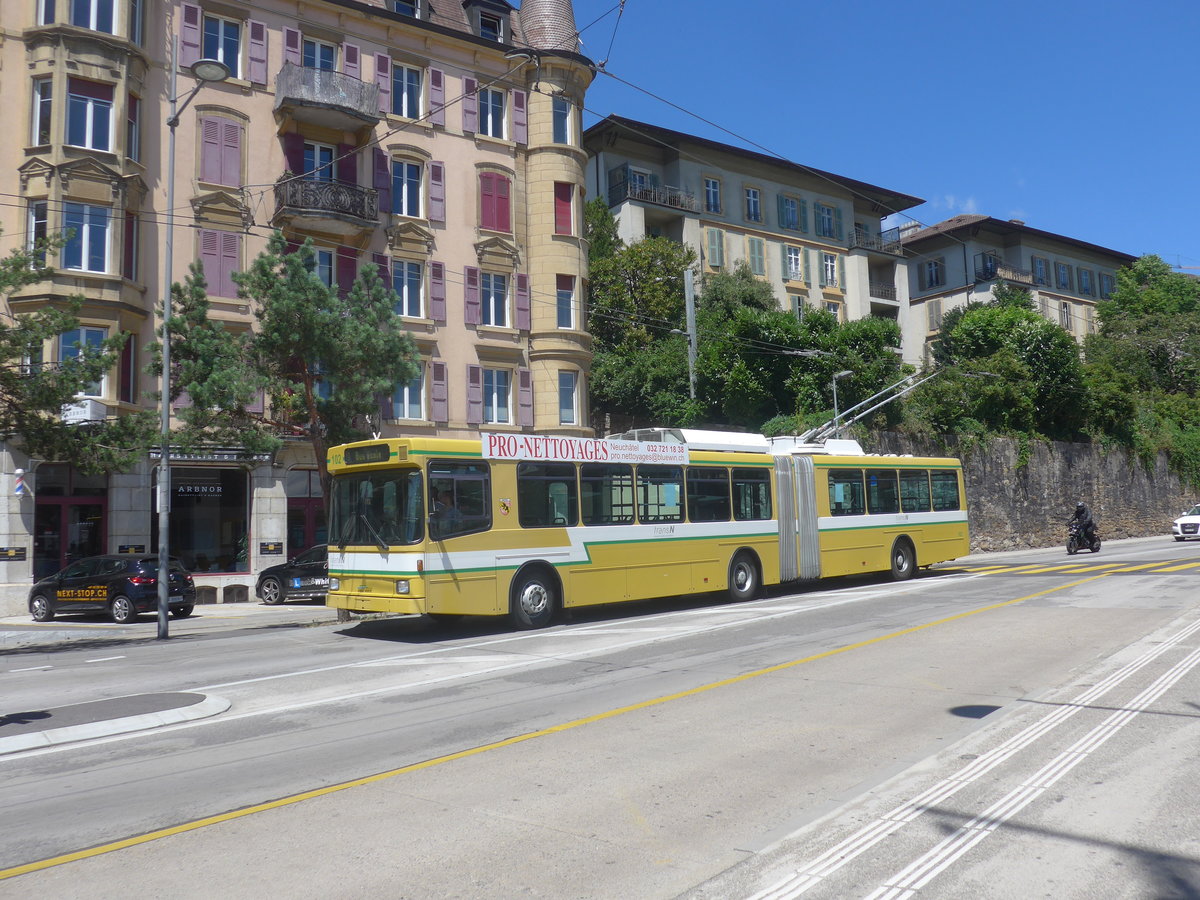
[
  {"x": 1178, "y": 538},
  {"x": 40, "y": 609},
  {"x": 743, "y": 578},
  {"x": 904, "y": 562},
  {"x": 272, "y": 591},
  {"x": 122, "y": 610},
  {"x": 182, "y": 612},
  {"x": 534, "y": 600}
]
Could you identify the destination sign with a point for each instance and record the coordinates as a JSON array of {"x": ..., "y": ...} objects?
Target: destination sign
[
  {"x": 544, "y": 448},
  {"x": 372, "y": 453}
]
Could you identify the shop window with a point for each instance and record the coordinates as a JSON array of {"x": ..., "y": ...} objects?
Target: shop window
[{"x": 209, "y": 518}]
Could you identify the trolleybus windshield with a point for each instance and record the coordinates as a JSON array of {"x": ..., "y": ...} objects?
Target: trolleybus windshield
[{"x": 379, "y": 507}]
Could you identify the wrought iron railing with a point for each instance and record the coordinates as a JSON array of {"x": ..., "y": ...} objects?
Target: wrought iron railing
[
  {"x": 884, "y": 242},
  {"x": 338, "y": 198},
  {"x": 882, "y": 291},
  {"x": 990, "y": 271},
  {"x": 325, "y": 87},
  {"x": 661, "y": 195}
]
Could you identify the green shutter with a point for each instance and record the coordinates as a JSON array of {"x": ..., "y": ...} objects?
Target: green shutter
[
  {"x": 841, "y": 271},
  {"x": 806, "y": 257},
  {"x": 839, "y": 233},
  {"x": 804, "y": 216},
  {"x": 780, "y": 211},
  {"x": 715, "y": 248},
  {"x": 783, "y": 261}
]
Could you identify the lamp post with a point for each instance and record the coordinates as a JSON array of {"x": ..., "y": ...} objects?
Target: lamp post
[
  {"x": 205, "y": 71},
  {"x": 836, "y": 415}
]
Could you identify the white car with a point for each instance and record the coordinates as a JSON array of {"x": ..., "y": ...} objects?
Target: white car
[{"x": 1187, "y": 525}]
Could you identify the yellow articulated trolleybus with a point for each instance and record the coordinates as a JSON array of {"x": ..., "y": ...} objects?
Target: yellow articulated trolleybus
[{"x": 524, "y": 525}]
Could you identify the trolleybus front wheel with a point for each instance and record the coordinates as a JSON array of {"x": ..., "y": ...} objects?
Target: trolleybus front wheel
[
  {"x": 534, "y": 599},
  {"x": 743, "y": 577}
]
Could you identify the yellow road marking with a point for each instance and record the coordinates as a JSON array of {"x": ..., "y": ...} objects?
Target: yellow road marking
[
  {"x": 508, "y": 742},
  {"x": 1139, "y": 568},
  {"x": 1191, "y": 565}
]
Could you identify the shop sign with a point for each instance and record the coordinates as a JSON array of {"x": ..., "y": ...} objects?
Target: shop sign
[
  {"x": 12, "y": 554},
  {"x": 568, "y": 449},
  {"x": 131, "y": 548},
  {"x": 270, "y": 548}
]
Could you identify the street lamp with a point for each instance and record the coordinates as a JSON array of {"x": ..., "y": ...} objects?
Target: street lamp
[
  {"x": 836, "y": 375},
  {"x": 205, "y": 71}
]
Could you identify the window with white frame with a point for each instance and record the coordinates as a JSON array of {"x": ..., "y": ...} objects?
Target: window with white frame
[
  {"x": 1062, "y": 276},
  {"x": 1064, "y": 315},
  {"x": 753, "y": 205},
  {"x": 133, "y": 130},
  {"x": 493, "y": 297},
  {"x": 43, "y": 110},
  {"x": 933, "y": 273},
  {"x": 491, "y": 113},
  {"x": 407, "y": 281},
  {"x": 222, "y": 40},
  {"x": 38, "y": 229},
  {"x": 96, "y": 15},
  {"x": 568, "y": 405},
  {"x": 562, "y": 120},
  {"x": 834, "y": 308},
  {"x": 407, "y": 8},
  {"x": 406, "y": 91},
  {"x": 565, "y": 301},
  {"x": 795, "y": 264},
  {"x": 324, "y": 266},
  {"x": 829, "y": 269},
  {"x": 408, "y": 400},
  {"x": 318, "y": 161},
  {"x": 1041, "y": 270},
  {"x": 712, "y": 195},
  {"x": 316, "y": 54},
  {"x": 407, "y": 179},
  {"x": 826, "y": 220},
  {"x": 1107, "y": 285},
  {"x": 758, "y": 261},
  {"x": 789, "y": 213},
  {"x": 797, "y": 305},
  {"x": 87, "y": 229},
  {"x": 84, "y": 341},
  {"x": 491, "y": 28},
  {"x": 137, "y": 21},
  {"x": 497, "y": 396},
  {"x": 45, "y": 12},
  {"x": 1085, "y": 281},
  {"x": 89, "y": 114}
]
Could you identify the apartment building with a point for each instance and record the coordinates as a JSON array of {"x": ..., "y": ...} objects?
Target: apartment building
[
  {"x": 962, "y": 258},
  {"x": 814, "y": 236},
  {"x": 440, "y": 141}
]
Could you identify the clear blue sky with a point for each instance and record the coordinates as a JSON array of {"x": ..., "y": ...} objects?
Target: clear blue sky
[{"x": 1077, "y": 117}]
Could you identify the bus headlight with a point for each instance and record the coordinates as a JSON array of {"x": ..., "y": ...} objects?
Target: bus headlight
[
  {"x": 402, "y": 586},
  {"x": 335, "y": 584}
]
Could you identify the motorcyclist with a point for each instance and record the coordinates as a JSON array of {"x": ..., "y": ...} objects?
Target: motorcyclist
[{"x": 1087, "y": 525}]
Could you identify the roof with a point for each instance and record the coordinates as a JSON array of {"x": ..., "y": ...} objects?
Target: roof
[
  {"x": 888, "y": 200},
  {"x": 976, "y": 223}
]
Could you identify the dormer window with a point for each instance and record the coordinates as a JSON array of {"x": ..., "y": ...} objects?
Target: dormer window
[
  {"x": 407, "y": 7},
  {"x": 491, "y": 27}
]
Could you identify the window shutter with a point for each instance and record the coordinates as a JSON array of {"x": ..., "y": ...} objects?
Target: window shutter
[
  {"x": 783, "y": 260},
  {"x": 838, "y": 231},
  {"x": 189, "y": 35},
  {"x": 470, "y": 105},
  {"x": 716, "y": 248},
  {"x": 562, "y": 207},
  {"x": 474, "y": 395},
  {"x": 383, "y": 78},
  {"x": 922, "y": 276},
  {"x": 520, "y": 101},
  {"x": 780, "y": 212},
  {"x": 383, "y": 263},
  {"x": 293, "y": 152},
  {"x": 352, "y": 61},
  {"x": 129, "y": 269},
  {"x": 437, "y": 96},
  {"x": 258, "y": 404},
  {"x": 437, "y": 192},
  {"x": 210, "y": 150},
  {"x": 437, "y": 292},
  {"x": 210, "y": 257},
  {"x": 487, "y": 201},
  {"x": 347, "y": 164},
  {"x": 127, "y": 374},
  {"x": 841, "y": 272},
  {"x": 231, "y": 153},
  {"x": 347, "y": 265},
  {"x": 821, "y": 269},
  {"x": 804, "y": 216},
  {"x": 258, "y": 51},
  {"x": 471, "y": 305},
  {"x": 524, "y": 314},
  {"x": 503, "y": 213},
  {"x": 382, "y": 179},
  {"x": 808, "y": 269},
  {"x": 524, "y": 397},
  {"x": 292, "y": 46},
  {"x": 231, "y": 251},
  {"x": 439, "y": 394}
]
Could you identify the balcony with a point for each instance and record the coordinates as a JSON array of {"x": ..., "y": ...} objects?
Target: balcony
[
  {"x": 327, "y": 98},
  {"x": 990, "y": 270},
  {"x": 881, "y": 291},
  {"x": 660, "y": 195},
  {"x": 885, "y": 242},
  {"x": 332, "y": 206}
]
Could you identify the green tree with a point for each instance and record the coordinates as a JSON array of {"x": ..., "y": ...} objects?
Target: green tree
[
  {"x": 600, "y": 229},
  {"x": 33, "y": 392},
  {"x": 327, "y": 360}
]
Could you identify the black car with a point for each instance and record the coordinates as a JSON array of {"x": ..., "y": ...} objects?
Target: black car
[
  {"x": 120, "y": 585},
  {"x": 303, "y": 577}
]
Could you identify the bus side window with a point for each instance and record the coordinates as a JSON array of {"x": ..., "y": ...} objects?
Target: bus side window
[
  {"x": 606, "y": 494},
  {"x": 883, "y": 491},
  {"x": 460, "y": 498},
  {"x": 846, "y": 492},
  {"x": 708, "y": 494},
  {"x": 914, "y": 490},
  {"x": 546, "y": 495},
  {"x": 751, "y": 494},
  {"x": 944, "y": 483},
  {"x": 660, "y": 493}
]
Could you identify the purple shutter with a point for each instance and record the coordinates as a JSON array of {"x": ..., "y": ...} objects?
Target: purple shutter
[
  {"x": 293, "y": 152},
  {"x": 437, "y": 96},
  {"x": 231, "y": 251},
  {"x": 382, "y": 180},
  {"x": 347, "y": 164},
  {"x": 503, "y": 211},
  {"x": 523, "y": 314},
  {"x": 437, "y": 292},
  {"x": 189, "y": 35},
  {"x": 129, "y": 269},
  {"x": 470, "y": 105},
  {"x": 439, "y": 393},
  {"x": 437, "y": 192},
  {"x": 210, "y": 257},
  {"x": 258, "y": 51},
  {"x": 231, "y": 153},
  {"x": 520, "y": 117},
  {"x": 383, "y": 263},
  {"x": 210, "y": 150},
  {"x": 292, "y": 48},
  {"x": 474, "y": 395},
  {"x": 183, "y": 401},
  {"x": 524, "y": 397},
  {"x": 258, "y": 404},
  {"x": 383, "y": 78},
  {"x": 351, "y": 60},
  {"x": 487, "y": 200},
  {"x": 347, "y": 268},
  {"x": 471, "y": 307}
]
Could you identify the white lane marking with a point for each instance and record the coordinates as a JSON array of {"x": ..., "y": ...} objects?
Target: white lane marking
[
  {"x": 32, "y": 669},
  {"x": 811, "y": 874},
  {"x": 104, "y": 659}
]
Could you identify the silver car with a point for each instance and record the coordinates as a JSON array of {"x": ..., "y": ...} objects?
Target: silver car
[{"x": 1187, "y": 525}]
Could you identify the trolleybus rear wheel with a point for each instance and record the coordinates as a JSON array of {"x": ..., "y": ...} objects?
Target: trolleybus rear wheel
[
  {"x": 743, "y": 577},
  {"x": 534, "y": 599}
]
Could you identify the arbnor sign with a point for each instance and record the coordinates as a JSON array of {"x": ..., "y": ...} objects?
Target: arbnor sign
[{"x": 568, "y": 449}]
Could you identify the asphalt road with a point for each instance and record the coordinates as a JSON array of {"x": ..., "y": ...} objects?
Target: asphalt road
[{"x": 1014, "y": 726}]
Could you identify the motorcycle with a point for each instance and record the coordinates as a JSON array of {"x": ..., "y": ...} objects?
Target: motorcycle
[{"x": 1076, "y": 540}]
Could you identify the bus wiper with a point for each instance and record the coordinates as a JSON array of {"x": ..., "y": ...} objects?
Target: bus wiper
[{"x": 375, "y": 534}]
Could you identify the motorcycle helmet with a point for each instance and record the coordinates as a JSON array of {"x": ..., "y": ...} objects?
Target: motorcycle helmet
[{"x": 1080, "y": 507}]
